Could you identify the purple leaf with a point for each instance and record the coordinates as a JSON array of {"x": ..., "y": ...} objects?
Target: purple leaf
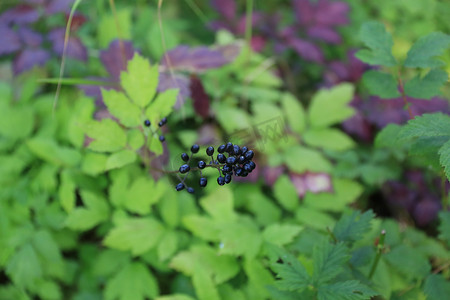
[
  {"x": 200, "y": 97},
  {"x": 311, "y": 182},
  {"x": 324, "y": 33},
  {"x": 114, "y": 60},
  {"x": 94, "y": 90},
  {"x": 304, "y": 11},
  {"x": 178, "y": 81},
  {"x": 57, "y": 6},
  {"x": 75, "y": 48},
  {"x": 194, "y": 60},
  {"x": 307, "y": 50},
  {"x": 349, "y": 71},
  {"x": 331, "y": 12},
  {"x": 227, "y": 8},
  {"x": 29, "y": 37},
  {"x": 359, "y": 126},
  {"x": 426, "y": 211},
  {"x": 29, "y": 58},
  {"x": 20, "y": 14},
  {"x": 271, "y": 174},
  {"x": 10, "y": 41}
]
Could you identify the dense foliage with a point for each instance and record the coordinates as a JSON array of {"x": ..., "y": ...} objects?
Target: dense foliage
[{"x": 128, "y": 182}]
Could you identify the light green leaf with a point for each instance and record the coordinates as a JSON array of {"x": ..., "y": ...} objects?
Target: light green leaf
[
  {"x": 281, "y": 234},
  {"x": 48, "y": 150},
  {"x": 107, "y": 27},
  {"x": 137, "y": 235},
  {"x": 96, "y": 210},
  {"x": 168, "y": 245},
  {"x": 381, "y": 84},
  {"x": 374, "y": 36},
  {"x": 94, "y": 163},
  {"x": 66, "y": 191},
  {"x": 219, "y": 205},
  {"x": 154, "y": 144},
  {"x": 109, "y": 261},
  {"x": 203, "y": 227},
  {"x": 108, "y": 136},
  {"x": 258, "y": 276},
  {"x": 436, "y": 287},
  {"x": 133, "y": 282},
  {"x": 294, "y": 112},
  {"x": 240, "y": 238},
  {"x": 329, "y": 107},
  {"x": 162, "y": 106},
  {"x": 329, "y": 260},
  {"x": 24, "y": 267},
  {"x": 120, "y": 159},
  {"x": 332, "y": 139},
  {"x": 135, "y": 139},
  {"x": 140, "y": 80},
  {"x": 428, "y": 86},
  {"x": 345, "y": 290},
  {"x": 313, "y": 218},
  {"x": 142, "y": 194},
  {"x": 423, "y": 53},
  {"x": 15, "y": 122},
  {"x": 120, "y": 107},
  {"x": 233, "y": 119},
  {"x": 300, "y": 159},
  {"x": 204, "y": 286},
  {"x": 285, "y": 193},
  {"x": 175, "y": 297}
]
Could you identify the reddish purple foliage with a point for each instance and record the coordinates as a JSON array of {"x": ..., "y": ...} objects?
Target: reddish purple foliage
[
  {"x": 28, "y": 58},
  {"x": 200, "y": 97},
  {"x": 311, "y": 182},
  {"x": 115, "y": 59},
  {"x": 75, "y": 49}
]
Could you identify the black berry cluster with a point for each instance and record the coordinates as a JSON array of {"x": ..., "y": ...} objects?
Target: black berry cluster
[
  {"x": 161, "y": 123},
  {"x": 231, "y": 160}
]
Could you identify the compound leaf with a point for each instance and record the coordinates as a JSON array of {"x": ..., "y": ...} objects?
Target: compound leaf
[
  {"x": 426, "y": 87},
  {"x": 436, "y": 287},
  {"x": 328, "y": 261},
  {"x": 423, "y": 53},
  {"x": 292, "y": 274},
  {"x": 120, "y": 107},
  {"x": 108, "y": 136},
  {"x": 351, "y": 228},
  {"x": 345, "y": 290},
  {"x": 381, "y": 84}
]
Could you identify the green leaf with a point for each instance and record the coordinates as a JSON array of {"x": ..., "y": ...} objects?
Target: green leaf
[
  {"x": 374, "y": 36},
  {"x": 328, "y": 138},
  {"x": 162, "y": 106},
  {"x": 142, "y": 194},
  {"x": 168, "y": 245},
  {"x": 259, "y": 278},
  {"x": 107, "y": 27},
  {"x": 66, "y": 191},
  {"x": 204, "y": 285},
  {"x": 140, "y": 80},
  {"x": 24, "y": 267},
  {"x": 352, "y": 227},
  {"x": 428, "y": 86},
  {"x": 120, "y": 107},
  {"x": 133, "y": 282},
  {"x": 427, "y": 125},
  {"x": 444, "y": 158},
  {"x": 285, "y": 193},
  {"x": 281, "y": 234},
  {"x": 300, "y": 159},
  {"x": 409, "y": 262},
  {"x": 329, "y": 107},
  {"x": 175, "y": 297},
  {"x": 423, "y": 53},
  {"x": 137, "y": 235},
  {"x": 313, "y": 218},
  {"x": 154, "y": 144},
  {"x": 95, "y": 212},
  {"x": 219, "y": 205},
  {"x": 48, "y": 150},
  {"x": 240, "y": 238},
  {"x": 292, "y": 274},
  {"x": 329, "y": 261},
  {"x": 203, "y": 227},
  {"x": 135, "y": 139},
  {"x": 94, "y": 163},
  {"x": 120, "y": 159},
  {"x": 436, "y": 287},
  {"x": 108, "y": 136},
  {"x": 444, "y": 226},
  {"x": 381, "y": 84},
  {"x": 109, "y": 261},
  {"x": 388, "y": 136},
  {"x": 15, "y": 122},
  {"x": 345, "y": 290},
  {"x": 294, "y": 112}
]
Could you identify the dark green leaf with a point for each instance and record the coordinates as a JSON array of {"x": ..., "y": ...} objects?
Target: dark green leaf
[
  {"x": 381, "y": 84},
  {"x": 345, "y": 290},
  {"x": 436, "y": 287},
  {"x": 428, "y": 86},
  {"x": 423, "y": 53},
  {"x": 408, "y": 262},
  {"x": 292, "y": 274},
  {"x": 329, "y": 261},
  {"x": 444, "y": 226},
  {"x": 437, "y": 124},
  {"x": 351, "y": 228},
  {"x": 444, "y": 158}
]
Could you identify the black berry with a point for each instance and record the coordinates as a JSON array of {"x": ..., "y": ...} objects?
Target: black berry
[
  {"x": 248, "y": 167},
  {"x": 179, "y": 187},
  {"x": 236, "y": 150},
  {"x": 249, "y": 155},
  {"x": 221, "y": 149},
  {"x": 227, "y": 178},
  {"x": 252, "y": 165},
  {"x": 195, "y": 148},
  {"x": 162, "y": 122},
  {"x": 221, "y": 158},
  {"x": 201, "y": 164},
  {"x": 147, "y": 123},
  {"x": 162, "y": 138},
  {"x": 190, "y": 190},
  {"x": 184, "y": 156},
  {"x": 241, "y": 159},
  {"x": 239, "y": 171},
  {"x": 243, "y": 150},
  {"x": 210, "y": 150},
  {"x": 221, "y": 180},
  {"x": 203, "y": 182},
  {"x": 231, "y": 160},
  {"x": 227, "y": 169},
  {"x": 229, "y": 147},
  {"x": 184, "y": 168}
]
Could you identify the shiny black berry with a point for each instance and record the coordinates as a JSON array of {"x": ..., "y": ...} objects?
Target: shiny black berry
[
  {"x": 210, "y": 150},
  {"x": 249, "y": 154},
  {"x": 184, "y": 168},
  {"x": 147, "y": 123},
  {"x": 162, "y": 138},
  {"x": 201, "y": 164},
  {"x": 195, "y": 148},
  {"x": 238, "y": 171},
  {"x": 184, "y": 156},
  {"x": 162, "y": 122},
  {"x": 229, "y": 147},
  {"x": 203, "y": 182},
  {"x": 179, "y": 186},
  {"x": 227, "y": 169},
  {"x": 241, "y": 159},
  {"x": 236, "y": 150},
  {"x": 252, "y": 165},
  {"x": 231, "y": 160},
  {"x": 244, "y": 149},
  {"x": 221, "y": 149},
  {"x": 227, "y": 178},
  {"x": 221, "y": 158},
  {"x": 221, "y": 180},
  {"x": 190, "y": 190},
  {"x": 248, "y": 167}
]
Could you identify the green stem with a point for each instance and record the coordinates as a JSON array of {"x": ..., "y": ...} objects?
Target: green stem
[{"x": 380, "y": 248}]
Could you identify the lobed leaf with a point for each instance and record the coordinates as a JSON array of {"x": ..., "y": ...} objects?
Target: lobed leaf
[
  {"x": 122, "y": 108},
  {"x": 423, "y": 53},
  {"x": 291, "y": 273},
  {"x": 351, "y": 228},
  {"x": 329, "y": 261},
  {"x": 345, "y": 290},
  {"x": 436, "y": 287},
  {"x": 381, "y": 84},
  {"x": 427, "y": 125},
  {"x": 108, "y": 136},
  {"x": 428, "y": 86}
]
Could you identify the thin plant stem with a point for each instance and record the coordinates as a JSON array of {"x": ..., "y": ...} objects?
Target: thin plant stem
[
  {"x": 402, "y": 91},
  {"x": 380, "y": 248}
]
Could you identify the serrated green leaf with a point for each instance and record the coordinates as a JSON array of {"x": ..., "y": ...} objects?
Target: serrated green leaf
[
  {"x": 204, "y": 286},
  {"x": 351, "y": 228},
  {"x": 444, "y": 226},
  {"x": 24, "y": 267},
  {"x": 285, "y": 193},
  {"x": 328, "y": 138},
  {"x": 281, "y": 234},
  {"x": 345, "y": 290},
  {"x": 444, "y": 158},
  {"x": 219, "y": 205},
  {"x": 120, "y": 159},
  {"x": 388, "y": 136},
  {"x": 94, "y": 163},
  {"x": 137, "y": 235},
  {"x": 175, "y": 297},
  {"x": 313, "y": 218},
  {"x": 427, "y": 125},
  {"x": 66, "y": 192},
  {"x": 140, "y": 80},
  {"x": 329, "y": 261},
  {"x": 203, "y": 227},
  {"x": 135, "y": 139},
  {"x": 15, "y": 122},
  {"x": 128, "y": 113},
  {"x": 133, "y": 282},
  {"x": 240, "y": 238},
  {"x": 162, "y": 106},
  {"x": 292, "y": 274},
  {"x": 408, "y": 262},
  {"x": 436, "y": 287},
  {"x": 232, "y": 119},
  {"x": 258, "y": 276},
  {"x": 168, "y": 245},
  {"x": 48, "y": 150},
  {"x": 423, "y": 53},
  {"x": 294, "y": 112},
  {"x": 96, "y": 210},
  {"x": 329, "y": 107},
  {"x": 381, "y": 84},
  {"x": 142, "y": 194},
  {"x": 154, "y": 144},
  {"x": 426, "y": 148},
  {"x": 428, "y": 86},
  {"x": 300, "y": 159},
  {"x": 108, "y": 136},
  {"x": 108, "y": 24},
  {"x": 374, "y": 36},
  {"x": 109, "y": 261}
]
